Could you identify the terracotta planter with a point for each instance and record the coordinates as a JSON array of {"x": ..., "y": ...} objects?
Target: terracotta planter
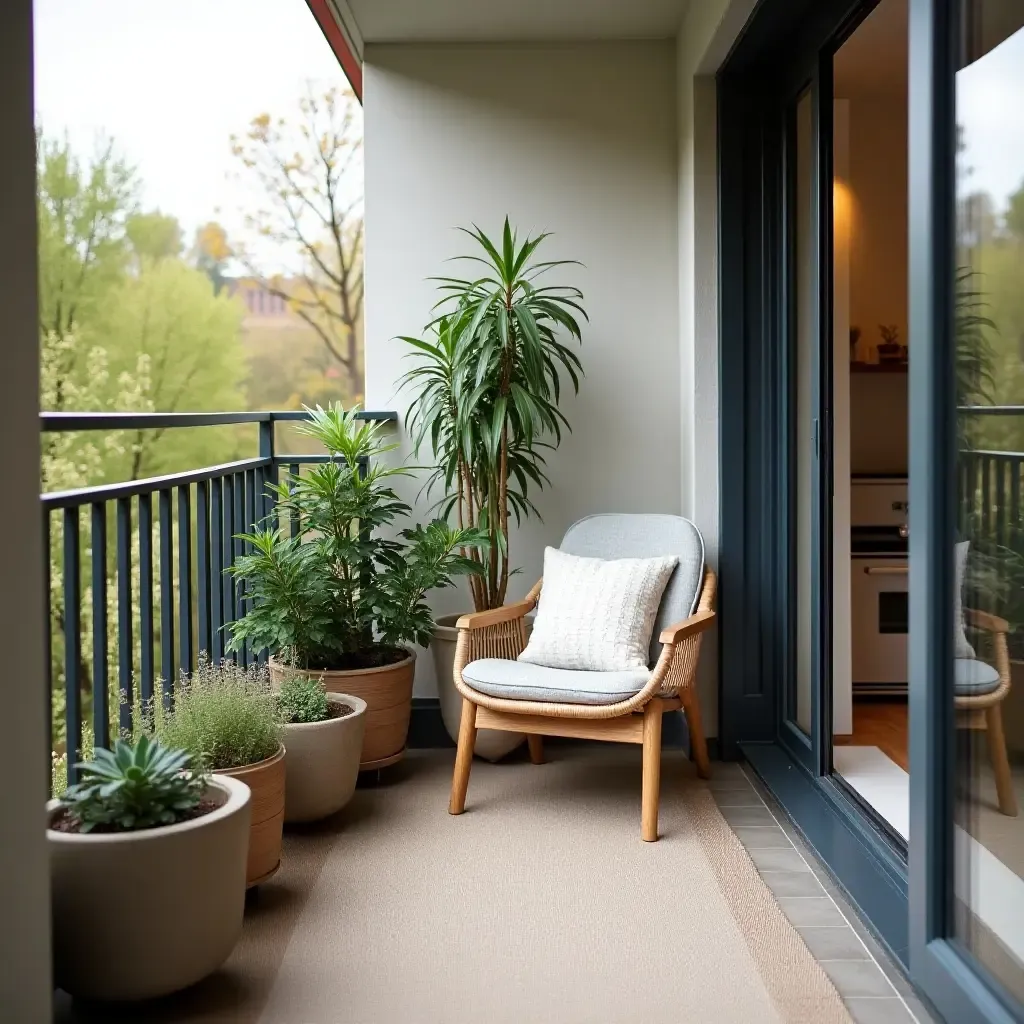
[
  {"x": 323, "y": 762},
  {"x": 491, "y": 744},
  {"x": 266, "y": 780},
  {"x": 138, "y": 915},
  {"x": 387, "y": 692}
]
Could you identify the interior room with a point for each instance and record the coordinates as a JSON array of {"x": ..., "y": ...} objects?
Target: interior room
[{"x": 871, "y": 520}]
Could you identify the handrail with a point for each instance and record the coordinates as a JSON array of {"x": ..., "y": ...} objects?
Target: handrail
[{"x": 74, "y": 421}]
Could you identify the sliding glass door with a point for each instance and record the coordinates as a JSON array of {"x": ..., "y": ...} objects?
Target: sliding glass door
[{"x": 967, "y": 532}]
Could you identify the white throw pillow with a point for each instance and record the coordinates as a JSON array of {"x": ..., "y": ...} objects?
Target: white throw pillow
[
  {"x": 963, "y": 648},
  {"x": 596, "y": 615}
]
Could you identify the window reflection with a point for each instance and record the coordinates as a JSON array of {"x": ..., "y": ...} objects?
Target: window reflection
[{"x": 989, "y": 555}]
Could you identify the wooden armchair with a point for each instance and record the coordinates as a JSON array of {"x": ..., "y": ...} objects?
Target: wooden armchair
[
  {"x": 981, "y": 689},
  {"x": 634, "y": 717}
]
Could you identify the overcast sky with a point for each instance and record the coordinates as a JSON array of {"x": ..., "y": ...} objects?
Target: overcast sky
[
  {"x": 990, "y": 107},
  {"x": 170, "y": 81}
]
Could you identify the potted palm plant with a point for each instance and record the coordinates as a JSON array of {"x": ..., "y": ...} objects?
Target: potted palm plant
[
  {"x": 487, "y": 383},
  {"x": 226, "y": 718},
  {"x": 341, "y": 597},
  {"x": 147, "y": 870},
  {"x": 323, "y": 733}
]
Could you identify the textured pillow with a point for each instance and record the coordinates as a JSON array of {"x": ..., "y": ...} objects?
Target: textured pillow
[
  {"x": 596, "y": 615},
  {"x": 963, "y": 647}
]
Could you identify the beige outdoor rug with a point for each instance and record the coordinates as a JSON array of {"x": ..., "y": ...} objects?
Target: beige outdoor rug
[{"x": 539, "y": 904}]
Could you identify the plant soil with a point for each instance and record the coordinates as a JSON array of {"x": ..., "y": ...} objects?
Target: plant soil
[
  {"x": 65, "y": 821},
  {"x": 334, "y": 710},
  {"x": 376, "y": 657}
]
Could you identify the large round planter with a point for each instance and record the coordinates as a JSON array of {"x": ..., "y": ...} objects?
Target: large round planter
[
  {"x": 138, "y": 915},
  {"x": 266, "y": 780},
  {"x": 323, "y": 761},
  {"x": 491, "y": 744},
  {"x": 387, "y": 692}
]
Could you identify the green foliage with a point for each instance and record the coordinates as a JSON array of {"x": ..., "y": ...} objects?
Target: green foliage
[
  {"x": 303, "y": 699},
  {"x": 224, "y": 716},
  {"x": 487, "y": 384},
  {"x": 341, "y": 588},
  {"x": 133, "y": 788},
  {"x": 154, "y": 236}
]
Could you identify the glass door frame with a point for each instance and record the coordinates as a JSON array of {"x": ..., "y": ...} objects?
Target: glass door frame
[{"x": 940, "y": 966}]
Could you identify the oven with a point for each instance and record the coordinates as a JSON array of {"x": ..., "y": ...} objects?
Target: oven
[{"x": 878, "y": 585}]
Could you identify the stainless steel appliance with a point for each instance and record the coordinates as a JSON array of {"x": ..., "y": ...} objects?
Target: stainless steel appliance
[{"x": 878, "y": 586}]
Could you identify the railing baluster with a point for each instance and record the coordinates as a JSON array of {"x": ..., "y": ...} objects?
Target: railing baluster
[
  {"x": 146, "y": 669},
  {"x": 185, "y": 579},
  {"x": 217, "y": 637},
  {"x": 227, "y": 528},
  {"x": 100, "y": 683},
  {"x": 72, "y": 641},
  {"x": 203, "y": 563},
  {"x": 238, "y": 612},
  {"x": 293, "y": 469},
  {"x": 166, "y": 595},
  {"x": 1000, "y": 468},
  {"x": 986, "y": 495},
  {"x": 124, "y": 614},
  {"x": 250, "y": 525},
  {"x": 47, "y": 630}
]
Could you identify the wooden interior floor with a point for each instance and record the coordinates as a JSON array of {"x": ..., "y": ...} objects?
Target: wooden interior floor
[{"x": 883, "y": 724}]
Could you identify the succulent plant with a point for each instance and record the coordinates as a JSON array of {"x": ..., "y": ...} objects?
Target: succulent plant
[{"x": 134, "y": 787}]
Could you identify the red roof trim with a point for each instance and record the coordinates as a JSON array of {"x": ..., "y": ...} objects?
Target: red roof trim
[{"x": 350, "y": 64}]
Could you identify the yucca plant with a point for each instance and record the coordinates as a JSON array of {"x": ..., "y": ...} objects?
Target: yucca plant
[
  {"x": 341, "y": 594},
  {"x": 134, "y": 787},
  {"x": 487, "y": 384}
]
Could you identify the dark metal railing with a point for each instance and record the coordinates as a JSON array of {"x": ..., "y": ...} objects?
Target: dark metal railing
[{"x": 173, "y": 598}]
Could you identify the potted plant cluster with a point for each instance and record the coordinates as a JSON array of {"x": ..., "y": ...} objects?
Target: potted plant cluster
[
  {"x": 323, "y": 734},
  {"x": 226, "y": 718},
  {"x": 487, "y": 383},
  {"x": 345, "y": 595},
  {"x": 147, "y": 865}
]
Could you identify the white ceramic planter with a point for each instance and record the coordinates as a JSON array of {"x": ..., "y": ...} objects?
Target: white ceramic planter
[
  {"x": 138, "y": 915},
  {"x": 491, "y": 744},
  {"x": 323, "y": 762}
]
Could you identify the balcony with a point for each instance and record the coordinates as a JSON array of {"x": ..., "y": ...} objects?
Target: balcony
[{"x": 539, "y": 903}]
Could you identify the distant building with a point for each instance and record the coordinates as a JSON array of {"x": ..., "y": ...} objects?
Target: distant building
[{"x": 263, "y": 307}]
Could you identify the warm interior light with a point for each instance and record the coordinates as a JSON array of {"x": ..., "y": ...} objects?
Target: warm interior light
[{"x": 842, "y": 207}]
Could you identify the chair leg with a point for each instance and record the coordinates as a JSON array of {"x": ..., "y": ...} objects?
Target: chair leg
[
  {"x": 698, "y": 745},
  {"x": 536, "y": 745},
  {"x": 1000, "y": 762},
  {"x": 652, "y": 773},
  {"x": 463, "y": 758}
]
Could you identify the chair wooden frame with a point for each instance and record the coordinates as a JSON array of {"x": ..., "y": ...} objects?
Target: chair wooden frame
[
  {"x": 500, "y": 633},
  {"x": 984, "y": 712}
]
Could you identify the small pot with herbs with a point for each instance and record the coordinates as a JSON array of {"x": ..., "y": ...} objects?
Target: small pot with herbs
[
  {"x": 226, "y": 718},
  {"x": 147, "y": 871},
  {"x": 346, "y": 594},
  {"x": 323, "y": 733}
]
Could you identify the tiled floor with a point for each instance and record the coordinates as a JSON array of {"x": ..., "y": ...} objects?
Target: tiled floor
[{"x": 873, "y": 986}]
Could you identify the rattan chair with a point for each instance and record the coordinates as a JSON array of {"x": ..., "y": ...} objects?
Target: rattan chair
[
  {"x": 979, "y": 701},
  {"x": 670, "y": 685}
]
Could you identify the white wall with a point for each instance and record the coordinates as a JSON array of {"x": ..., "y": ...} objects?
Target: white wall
[
  {"x": 25, "y": 974},
  {"x": 577, "y": 139}
]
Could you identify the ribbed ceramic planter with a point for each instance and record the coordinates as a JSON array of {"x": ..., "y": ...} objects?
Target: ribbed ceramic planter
[
  {"x": 266, "y": 780},
  {"x": 387, "y": 692},
  {"x": 323, "y": 761},
  {"x": 491, "y": 744},
  {"x": 138, "y": 915}
]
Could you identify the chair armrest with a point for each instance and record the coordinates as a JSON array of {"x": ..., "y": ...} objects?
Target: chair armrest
[
  {"x": 508, "y": 613},
  {"x": 696, "y": 623},
  {"x": 986, "y": 621}
]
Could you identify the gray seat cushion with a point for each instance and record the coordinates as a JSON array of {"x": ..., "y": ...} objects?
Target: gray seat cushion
[
  {"x": 518, "y": 680},
  {"x": 973, "y": 678},
  {"x": 631, "y": 535}
]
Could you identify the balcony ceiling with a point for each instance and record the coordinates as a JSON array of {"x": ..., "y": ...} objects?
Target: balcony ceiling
[{"x": 399, "y": 21}]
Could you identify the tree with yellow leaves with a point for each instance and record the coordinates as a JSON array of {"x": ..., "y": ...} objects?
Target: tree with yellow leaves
[{"x": 309, "y": 170}]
